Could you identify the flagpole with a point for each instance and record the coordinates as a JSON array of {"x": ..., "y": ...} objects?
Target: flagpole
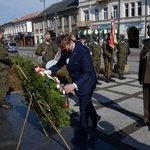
[
  {"x": 118, "y": 17},
  {"x": 112, "y": 41}
]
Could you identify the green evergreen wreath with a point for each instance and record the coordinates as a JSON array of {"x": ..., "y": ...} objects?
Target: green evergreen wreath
[{"x": 47, "y": 101}]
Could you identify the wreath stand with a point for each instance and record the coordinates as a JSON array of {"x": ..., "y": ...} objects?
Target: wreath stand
[{"x": 35, "y": 106}]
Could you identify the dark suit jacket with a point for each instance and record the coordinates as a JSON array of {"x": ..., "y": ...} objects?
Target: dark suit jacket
[
  {"x": 143, "y": 60},
  {"x": 80, "y": 67}
]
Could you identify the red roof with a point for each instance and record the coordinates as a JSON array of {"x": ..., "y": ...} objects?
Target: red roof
[{"x": 27, "y": 17}]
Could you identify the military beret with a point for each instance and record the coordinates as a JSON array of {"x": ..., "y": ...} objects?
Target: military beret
[
  {"x": 2, "y": 30},
  {"x": 122, "y": 36},
  {"x": 148, "y": 26}
]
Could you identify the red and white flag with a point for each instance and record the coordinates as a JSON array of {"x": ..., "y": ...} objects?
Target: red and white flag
[{"x": 113, "y": 39}]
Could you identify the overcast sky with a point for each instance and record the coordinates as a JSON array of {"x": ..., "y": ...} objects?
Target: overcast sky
[{"x": 11, "y": 9}]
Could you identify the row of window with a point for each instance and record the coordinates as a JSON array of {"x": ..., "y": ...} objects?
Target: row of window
[{"x": 128, "y": 7}]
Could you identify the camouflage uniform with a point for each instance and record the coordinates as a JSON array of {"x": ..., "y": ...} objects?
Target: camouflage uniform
[
  {"x": 5, "y": 63},
  {"x": 96, "y": 54},
  {"x": 121, "y": 56},
  {"x": 50, "y": 52},
  {"x": 108, "y": 60}
]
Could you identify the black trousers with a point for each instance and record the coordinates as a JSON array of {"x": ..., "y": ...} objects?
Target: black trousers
[
  {"x": 146, "y": 102},
  {"x": 87, "y": 109}
]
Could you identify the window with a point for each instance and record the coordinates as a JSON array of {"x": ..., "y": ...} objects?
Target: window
[
  {"x": 132, "y": 9},
  {"x": 74, "y": 19},
  {"x": 96, "y": 15},
  {"x": 139, "y": 8},
  {"x": 105, "y": 13},
  {"x": 86, "y": 15},
  {"x": 52, "y": 23},
  {"x": 115, "y": 13},
  {"x": 59, "y": 22},
  {"x": 66, "y": 21},
  {"x": 126, "y": 10}
]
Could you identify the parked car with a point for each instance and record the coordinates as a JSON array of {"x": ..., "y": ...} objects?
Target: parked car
[{"x": 12, "y": 46}]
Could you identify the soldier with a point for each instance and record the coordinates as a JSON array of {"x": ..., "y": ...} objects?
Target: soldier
[
  {"x": 128, "y": 51},
  {"x": 96, "y": 55},
  {"x": 121, "y": 56},
  {"x": 47, "y": 49},
  {"x": 5, "y": 63},
  {"x": 108, "y": 58},
  {"x": 144, "y": 78}
]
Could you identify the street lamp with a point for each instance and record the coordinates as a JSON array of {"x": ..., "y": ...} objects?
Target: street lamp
[
  {"x": 45, "y": 26},
  {"x": 118, "y": 17}
]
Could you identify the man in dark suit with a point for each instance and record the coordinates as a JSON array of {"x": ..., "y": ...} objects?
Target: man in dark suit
[
  {"x": 79, "y": 64},
  {"x": 144, "y": 78}
]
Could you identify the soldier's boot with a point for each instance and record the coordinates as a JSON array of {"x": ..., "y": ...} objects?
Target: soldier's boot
[
  {"x": 112, "y": 80},
  {"x": 107, "y": 80},
  {"x": 121, "y": 77},
  {"x": 124, "y": 77}
]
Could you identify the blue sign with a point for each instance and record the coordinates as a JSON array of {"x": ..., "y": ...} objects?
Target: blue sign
[{"x": 134, "y": 24}]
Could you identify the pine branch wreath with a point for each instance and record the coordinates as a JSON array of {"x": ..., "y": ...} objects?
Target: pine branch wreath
[{"x": 47, "y": 100}]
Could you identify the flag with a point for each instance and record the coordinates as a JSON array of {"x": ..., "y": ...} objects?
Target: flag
[{"x": 113, "y": 39}]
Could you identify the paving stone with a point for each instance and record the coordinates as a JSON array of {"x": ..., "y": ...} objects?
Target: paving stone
[
  {"x": 136, "y": 83},
  {"x": 134, "y": 76},
  {"x": 141, "y": 95},
  {"x": 132, "y": 104},
  {"x": 140, "y": 139},
  {"x": 104, "y": 96},
  {"x": 126, "y": 89},
  {"x": 104, "y": 84},
  {"x": 112, "y": 120}
]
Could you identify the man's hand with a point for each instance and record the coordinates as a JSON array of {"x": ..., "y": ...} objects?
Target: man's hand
[{"x": 69, "y": 87}]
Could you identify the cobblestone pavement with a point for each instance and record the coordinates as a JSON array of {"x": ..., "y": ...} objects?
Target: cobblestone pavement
[{"x": 118, "y": 103}]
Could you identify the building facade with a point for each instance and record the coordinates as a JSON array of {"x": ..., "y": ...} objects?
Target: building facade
[
  {"x": 21, "y": 30},
  {"x": 59, "y": 18},
  {"x": 131, "y": 17}
]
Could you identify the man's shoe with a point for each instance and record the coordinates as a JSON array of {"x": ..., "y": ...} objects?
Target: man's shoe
[
  {"x": 112, "y": 80},
  {"x": 94, "y": 125},
  {"x": 80, "y": 136},
  {"x": 6, "y": 105}
]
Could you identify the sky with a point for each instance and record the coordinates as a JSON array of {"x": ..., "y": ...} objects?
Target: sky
[{"x": 11, "y": 9}]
